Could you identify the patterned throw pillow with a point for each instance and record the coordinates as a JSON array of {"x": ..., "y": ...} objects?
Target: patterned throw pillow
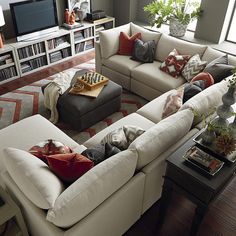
[
  {"x": 132, "y": 132},
  {"x": 193, "y": 67},
  {"x": 117, "y": 138},
  {"x": 126, "y": 43},
  {"x": 173, "y": 102},
  {"x": 69, "y": 167},
  {"x": 174, "y": 63},
  {"x": 49, "y": 147},
  {"x": 123, "y": 137},
  {"x": 144, "y": 51}
]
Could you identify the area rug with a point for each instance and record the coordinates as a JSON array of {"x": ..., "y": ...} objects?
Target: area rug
[{"x": 28, "y": 100}]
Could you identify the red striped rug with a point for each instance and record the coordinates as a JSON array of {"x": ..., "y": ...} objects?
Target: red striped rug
[{"x": 28, "y": 100}]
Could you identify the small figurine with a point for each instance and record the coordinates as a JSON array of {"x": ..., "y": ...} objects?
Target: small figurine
[
  {"x": 72, "y": 18},
  {"x": 67, "y": 16}
]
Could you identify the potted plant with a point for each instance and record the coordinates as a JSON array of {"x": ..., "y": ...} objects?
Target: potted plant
[{"x": 179, "y": 13}]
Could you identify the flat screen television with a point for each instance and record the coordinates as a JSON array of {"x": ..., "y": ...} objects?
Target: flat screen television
[{"x": 34, "y": 19}]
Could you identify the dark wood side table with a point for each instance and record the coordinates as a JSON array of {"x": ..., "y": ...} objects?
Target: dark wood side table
[{"x": 199, "y": 189}]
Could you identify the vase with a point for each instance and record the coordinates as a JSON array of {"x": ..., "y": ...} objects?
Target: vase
[
  {"x": 225, "y": 110},
  {"x": 232, "y": 128},
  {"x": 177, "y": 28},
  {"x": 208, "y": 136}
]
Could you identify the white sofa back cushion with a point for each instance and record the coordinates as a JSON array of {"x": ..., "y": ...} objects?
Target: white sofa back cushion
[
  {"x": 109, "y": 40},
  {"x": 33, "y": 177},
  {"x": 203, "y": 103},
  {"x": 161, "y": 136},
  {"x": 146, "y": 35},
  {"x": 93, "y": 188},
  {"x": 167, "y": 43},
  {"x": 211, "y": 54}
]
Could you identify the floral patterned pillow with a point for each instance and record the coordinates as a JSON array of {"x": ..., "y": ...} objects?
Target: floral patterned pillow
[
  {"x": 173, "y": 102},
  {"x": 174, "y": 63}
]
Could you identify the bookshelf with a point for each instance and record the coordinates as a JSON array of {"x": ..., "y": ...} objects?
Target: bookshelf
[
  {"x": 21, "y": 58},
  {"x": 8, "y": 64}
]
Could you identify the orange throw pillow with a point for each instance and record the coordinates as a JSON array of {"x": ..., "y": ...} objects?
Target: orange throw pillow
[
  {"x": 126, "y": 43},
  {"x": 206, "y": 77}
]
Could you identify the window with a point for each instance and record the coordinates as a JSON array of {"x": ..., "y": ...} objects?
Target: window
[
  {"x": 193, "y": 24},
  {"x": 231, "y": 36}
]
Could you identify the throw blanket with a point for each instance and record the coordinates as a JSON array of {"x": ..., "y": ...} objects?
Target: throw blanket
[{"x": 51, "y": 93}]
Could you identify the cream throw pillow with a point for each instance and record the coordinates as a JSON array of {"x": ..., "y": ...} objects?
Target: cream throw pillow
[{"x": 33, "y": 177}]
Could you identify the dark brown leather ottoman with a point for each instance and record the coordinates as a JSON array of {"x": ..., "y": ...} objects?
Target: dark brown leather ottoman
[{"x": 82, "y": 112}]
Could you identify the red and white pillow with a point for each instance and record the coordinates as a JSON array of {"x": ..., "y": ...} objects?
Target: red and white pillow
[
  {"x": 174, "y": 101},
  {"x": 174, "y": 63}
]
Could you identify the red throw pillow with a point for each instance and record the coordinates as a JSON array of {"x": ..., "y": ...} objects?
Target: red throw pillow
[
  {"x": 69, "y": 167},
  {"x": 126, "y": 43},
  {"x": 49, "y": 147},
  {"x": 174, "y": 63},
  {"x": 206, "y": 77}
]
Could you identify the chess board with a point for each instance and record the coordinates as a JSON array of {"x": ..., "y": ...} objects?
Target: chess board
[{"x": 92, "y": 80}]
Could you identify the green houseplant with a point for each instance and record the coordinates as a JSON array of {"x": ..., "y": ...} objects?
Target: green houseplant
[{"x": 179, "y": 13}]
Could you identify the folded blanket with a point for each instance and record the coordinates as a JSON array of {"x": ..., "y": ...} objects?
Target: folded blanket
[{"x": 55, "y": 88}]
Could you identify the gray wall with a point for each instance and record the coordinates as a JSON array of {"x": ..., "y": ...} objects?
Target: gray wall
[
  {"x": 210, "y": 25},
  {"x": 125, "y": 11},
  {"x": 8, "y": 29}
]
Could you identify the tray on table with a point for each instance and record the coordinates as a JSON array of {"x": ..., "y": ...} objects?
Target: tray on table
[
  {"x": 210, "y": 148},
  {"x": 202, "y": 161}
]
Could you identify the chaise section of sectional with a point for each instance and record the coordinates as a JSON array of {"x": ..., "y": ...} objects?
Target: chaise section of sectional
[{"x": 109, "y": 195}]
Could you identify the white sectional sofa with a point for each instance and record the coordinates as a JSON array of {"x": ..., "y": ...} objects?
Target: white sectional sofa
[
  {"x": 113, "y": 195},
  {"x": 145, "y": 79}
]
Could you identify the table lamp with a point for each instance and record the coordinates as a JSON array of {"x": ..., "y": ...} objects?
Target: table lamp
[{"x": 2, "y": 22}]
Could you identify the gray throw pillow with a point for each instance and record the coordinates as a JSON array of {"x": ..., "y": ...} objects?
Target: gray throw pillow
[
  {"x": 193, "y": 88},
  {"x": 144, "y": 51},
  {"x": 219, "y": 68}
]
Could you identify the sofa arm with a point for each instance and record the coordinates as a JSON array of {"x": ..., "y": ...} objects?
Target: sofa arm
[{"x": 98, "y": 57}]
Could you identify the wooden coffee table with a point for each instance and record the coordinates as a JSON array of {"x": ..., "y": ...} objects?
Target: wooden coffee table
[{"x": 199, "y": 189}]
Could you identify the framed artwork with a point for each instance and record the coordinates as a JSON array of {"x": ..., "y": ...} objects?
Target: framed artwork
[{"x": 79, "y": 5}]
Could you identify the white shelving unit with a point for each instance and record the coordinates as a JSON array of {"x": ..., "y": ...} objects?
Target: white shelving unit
[
  {"x": 8, "y": 64},
  {"x": 21, "y": 58}
]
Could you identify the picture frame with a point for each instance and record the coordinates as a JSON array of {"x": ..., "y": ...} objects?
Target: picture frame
[{"x": 73, "y": 4}]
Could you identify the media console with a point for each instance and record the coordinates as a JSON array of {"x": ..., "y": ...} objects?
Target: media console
[{"x": 21, "y": 58}]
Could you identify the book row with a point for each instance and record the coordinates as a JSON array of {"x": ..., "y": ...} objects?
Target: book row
[
  {"x": 33, "y": 64},
  {"x": 31, "y": 50},
  {"x": 7, "y": 73}
]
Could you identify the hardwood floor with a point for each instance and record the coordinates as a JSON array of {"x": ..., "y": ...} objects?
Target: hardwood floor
[
  {"x": 28, "y": 79},
  {"x": 221, "y": 217}
]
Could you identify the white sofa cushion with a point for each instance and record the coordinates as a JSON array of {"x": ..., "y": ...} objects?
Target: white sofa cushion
[
  {"x": 204, "y": 102},
  {"x": 150, "y": 75},
  {"x": 30, "y": 131},
  {"x": 121, "y": 63},
  {"x": 132, "y": 119},
  {"x": 93, "y": 188},
  {"x": 109, "y": 40},
  {"x": 211, "y": 54},
  {"x": 153, "y": 109},
  {"x": 167, "y": 43},
  {"x": 33, "y": 177},
  {"x": 161, "y": 136},
  {"x": 146, "y": 35}
]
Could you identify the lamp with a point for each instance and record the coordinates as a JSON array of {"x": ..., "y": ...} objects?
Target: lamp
[{"x": 2, "y": 22}]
